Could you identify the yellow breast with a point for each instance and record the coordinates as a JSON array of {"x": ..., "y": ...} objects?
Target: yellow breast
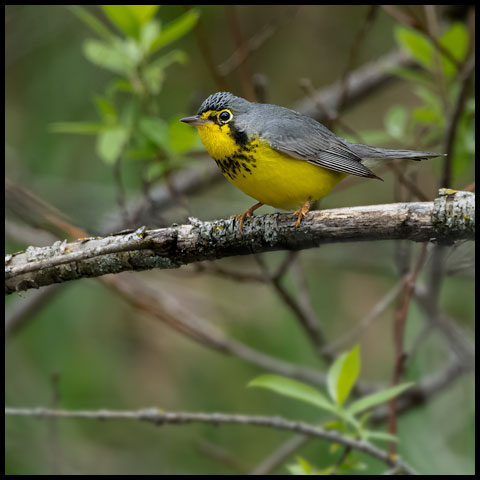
[{"x": 265, "y": 174}]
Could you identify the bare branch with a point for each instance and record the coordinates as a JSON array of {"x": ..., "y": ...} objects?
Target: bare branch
[
  {"x": 160, "y": 418},
  {"x": 451, "y": 217},
  {"x": 454, "y": 118},
  {"x": 169, "y": 310},
  {"x": 19, "y": 312},
  {"x": 240, "y": 55},
  {"x": 398, "y": 332},
  {"x": 306, "y": 317}
]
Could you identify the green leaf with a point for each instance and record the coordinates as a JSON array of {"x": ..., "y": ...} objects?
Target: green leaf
[
  {"x": 416, "y": 44},
  {"x": 143, "y": 13},
  {"x": 130, "y": 113},
  {"x": 132, "y": 50},
  {"x": 118, "y": 85},
  {"x": 455, "y": 40},
  {"x": 464, "y": 148},
  {"x": 153, "y": 74},
  {"x": 106, "y": 109},
  {"x": 148, "y": 33},
  {"x": 156, "y": 170},
  {"x": 156, "y": 130},
  {"x": 428, "y": 116},
  {"x": 343, "y": 374},
  {"x": 293, "y": 389},
  {"x": 429, "y": 97},
  {"x": 307, "y": 468},
  {"x": 91, "y": 21},
  {"x": 123, "y": 17},
  {"x": 109, "y": 56},
  {"x": 377, "y": 398},
  {"x": 384, "y": 436},
  {"x": 325, "y": 471},
  {"x": 298, "y": 469},
  {"x": 338, "y": 425},
  {"x": 110, "y": 143},
  {"x": 432, "y": 104},
  {"x": 396, "y": 122},
  {"x": 173, "y": 56},
  {"x": 153, "y": 77},
  {"x": 144, "y": 152},
  {"x": 82, "y": 128},
  {"x": 175, "y": 29}
]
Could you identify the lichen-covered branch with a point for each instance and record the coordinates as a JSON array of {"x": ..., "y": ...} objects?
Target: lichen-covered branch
[{"x": 450, "y": 217}]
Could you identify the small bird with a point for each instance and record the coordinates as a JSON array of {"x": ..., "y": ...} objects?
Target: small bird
[{"x": 278, "y": 156}]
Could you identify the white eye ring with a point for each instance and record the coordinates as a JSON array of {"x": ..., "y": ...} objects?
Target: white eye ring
[{"x": 225, "y": 116}]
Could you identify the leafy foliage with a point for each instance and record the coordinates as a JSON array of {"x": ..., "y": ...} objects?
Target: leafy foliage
[
  {"x": 134, "y": 51},
  {"x": 341, "y": 379},
  {"x": 437, "y": 84}
]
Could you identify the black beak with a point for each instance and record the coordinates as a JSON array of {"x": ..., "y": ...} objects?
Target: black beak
[{"x": 195, "y": 120}]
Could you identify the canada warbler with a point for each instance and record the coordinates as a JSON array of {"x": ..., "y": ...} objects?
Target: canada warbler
[{"x": 278, "y": 156}]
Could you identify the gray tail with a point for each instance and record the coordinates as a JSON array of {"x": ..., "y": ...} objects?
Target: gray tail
[{"x": 365, "y": 151}]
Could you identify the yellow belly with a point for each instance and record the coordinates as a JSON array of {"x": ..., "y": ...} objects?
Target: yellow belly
[{"x": 268, "y": 176}]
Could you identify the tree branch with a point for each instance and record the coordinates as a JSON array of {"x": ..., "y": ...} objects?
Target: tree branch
[
  {"x": 160, "y": 418},
  {"x": 450, "y": 217}
]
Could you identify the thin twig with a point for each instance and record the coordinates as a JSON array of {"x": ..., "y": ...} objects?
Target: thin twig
[
  {"x": 352, "y": 58},
  {"x": 433, "y": 29},
  {"x": 235, "y": 275},
  {"x": 305, "y": 316},
  {"x": 117, "y": 176},
  {"x": 243, "y": 70},
  {"x": 453, "y": 119},
  {"x": 206, "y": 52},
  {"x": 348, "y": 338},
  {"x": 459, "y": 341},
  {"x": 220, "y": 454},
  {"x": 167, "y": 309},
  {"x": 160, "y": 418},
  {"x": 280, "y": 454},
  {"x": 428, "y": 387},
  {"x": 407, "y": 183},
  {"x": 53, "y": 437},
  {"x": 399, "y": 329},
  {"x": 20, "y": 311},
  {"x": 256, "y": 41}
]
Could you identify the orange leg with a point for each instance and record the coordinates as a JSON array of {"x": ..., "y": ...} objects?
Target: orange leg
[
  {"x": 248, "y": 213},
  {"x": 302, "y": 211}
]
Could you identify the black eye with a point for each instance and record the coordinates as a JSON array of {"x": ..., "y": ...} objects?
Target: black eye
[{"x": 225, "y": 116}]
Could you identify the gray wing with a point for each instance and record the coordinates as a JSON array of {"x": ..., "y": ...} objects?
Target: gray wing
[{"x": 304, "y": 138}]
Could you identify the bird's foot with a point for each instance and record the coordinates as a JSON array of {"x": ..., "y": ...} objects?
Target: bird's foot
[
  {"x": 241, "y": 218},
  {"x": 302, "y": 212}
]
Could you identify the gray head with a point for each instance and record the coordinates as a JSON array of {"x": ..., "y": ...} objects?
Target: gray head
[
  {"x": 223, "y": 100},
  {"x": 223, "y": 108}
]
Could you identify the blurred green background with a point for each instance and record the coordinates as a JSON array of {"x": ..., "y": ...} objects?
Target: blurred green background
[{"x": 88, "y": 349}]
